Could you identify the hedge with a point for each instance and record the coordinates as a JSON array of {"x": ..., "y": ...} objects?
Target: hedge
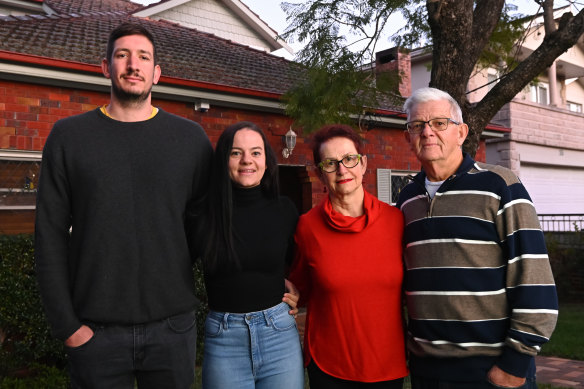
[
  {"x": 24, "y": 332},
  {"x": 566, "y": 253}
]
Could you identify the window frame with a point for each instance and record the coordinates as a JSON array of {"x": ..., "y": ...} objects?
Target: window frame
[
  {"x": 19, "y": 156},
  {"x": 385, "y": 184},
  {"x": 535, "y": 93},
  {"x": 570, "y": 104}
]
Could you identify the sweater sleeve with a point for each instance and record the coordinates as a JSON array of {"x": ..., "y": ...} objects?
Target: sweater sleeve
[
  {"x": 53, "y": 221},
  {"x": 197, "y": 206},
  {"x": 530, "y": 285},
  {"x": 202, "y": 174}
]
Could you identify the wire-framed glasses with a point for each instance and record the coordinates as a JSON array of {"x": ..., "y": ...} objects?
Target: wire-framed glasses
[
  {"x": 438, "y": 124},
  {"x": 330, "y": 165}
]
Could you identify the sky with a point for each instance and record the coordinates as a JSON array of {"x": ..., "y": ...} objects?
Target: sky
[{"x": 272, "y": 14}]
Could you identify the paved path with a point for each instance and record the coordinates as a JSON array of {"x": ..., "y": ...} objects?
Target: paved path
[{"x": 559, "y": 372}]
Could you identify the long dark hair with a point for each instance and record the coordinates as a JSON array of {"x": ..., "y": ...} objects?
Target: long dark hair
[{"x": 220, "y": 212}]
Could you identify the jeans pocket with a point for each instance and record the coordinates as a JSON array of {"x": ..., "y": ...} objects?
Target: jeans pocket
[
  {"x": 282, "y": 320},
  {"x": 182, "y": 323},
  {"x": 213, "y": 327}
]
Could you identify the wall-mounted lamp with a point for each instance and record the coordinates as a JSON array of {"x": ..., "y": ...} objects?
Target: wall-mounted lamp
[
  {"x": 202, "y": 106},
  {"x": 289, "y": 142}
]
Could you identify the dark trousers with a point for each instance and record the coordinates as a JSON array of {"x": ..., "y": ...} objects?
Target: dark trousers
[
  {"x": 430, "y": 383},
  {"x": 320, "y": 380},
  {"x": 154, "y": 355}
]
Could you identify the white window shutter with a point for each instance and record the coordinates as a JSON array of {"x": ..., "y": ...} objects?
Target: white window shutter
[{"x": 384, "y": 185}]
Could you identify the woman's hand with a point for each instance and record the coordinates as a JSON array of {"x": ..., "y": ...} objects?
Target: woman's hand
[{"x": 291, "y": 297}]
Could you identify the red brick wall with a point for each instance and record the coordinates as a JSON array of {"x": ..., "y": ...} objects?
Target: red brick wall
[{"x": 28, "y": 112}]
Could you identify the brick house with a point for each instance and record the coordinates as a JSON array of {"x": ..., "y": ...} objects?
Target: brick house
[{"x": 50, "y": 53}]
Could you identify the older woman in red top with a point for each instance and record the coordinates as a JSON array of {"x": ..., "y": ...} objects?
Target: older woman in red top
[{"x": 348, "y": 269}]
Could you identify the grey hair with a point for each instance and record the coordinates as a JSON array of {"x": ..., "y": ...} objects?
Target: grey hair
[{"x": 424, "y": 95}]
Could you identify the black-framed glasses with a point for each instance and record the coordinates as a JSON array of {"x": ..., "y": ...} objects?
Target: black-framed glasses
[
  {"x": 438, "y": 124},
  {"x": 330, "y": 165}
]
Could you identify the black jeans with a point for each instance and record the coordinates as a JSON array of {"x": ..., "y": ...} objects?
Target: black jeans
[
  {"x": 154, "y": 355},
  {"x": 320, "y": 380}
]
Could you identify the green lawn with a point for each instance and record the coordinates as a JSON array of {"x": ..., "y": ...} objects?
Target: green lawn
[{"x": 567, "y": 340}]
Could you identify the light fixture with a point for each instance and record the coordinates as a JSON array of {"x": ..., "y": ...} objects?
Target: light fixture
[
  {"x": 289, "y": 142},
  {"x": 202, "y": 105}
]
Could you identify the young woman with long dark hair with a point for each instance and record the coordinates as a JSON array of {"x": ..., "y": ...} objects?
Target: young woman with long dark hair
[{"x": 251, "y": 339}]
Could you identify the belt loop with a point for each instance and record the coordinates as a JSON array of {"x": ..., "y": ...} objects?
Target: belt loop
[
  {"x": 225, "y": 318},
  {"x": 266, "y": 313}
]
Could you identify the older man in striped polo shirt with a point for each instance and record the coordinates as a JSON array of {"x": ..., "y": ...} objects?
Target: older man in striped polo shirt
[{"x": 480, "y": 293}]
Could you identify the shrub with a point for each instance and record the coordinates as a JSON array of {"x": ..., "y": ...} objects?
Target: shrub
[
  {"x": 40, "y": 376},
  {"x": 24, "y": 332},
  {"x": 566, "y": 253}
]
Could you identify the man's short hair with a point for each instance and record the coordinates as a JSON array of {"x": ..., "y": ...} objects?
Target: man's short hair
[
  {"x": 424, "y": 95},
  {"x": 125, "y": 29}
]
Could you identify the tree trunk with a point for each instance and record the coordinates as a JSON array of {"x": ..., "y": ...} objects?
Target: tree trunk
[{"x": 457, "y": 46}]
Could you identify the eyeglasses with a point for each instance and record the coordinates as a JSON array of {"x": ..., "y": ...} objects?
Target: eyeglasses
[
  {"x": 439, "y": 124},
  {"x": 330, "y": 165}
]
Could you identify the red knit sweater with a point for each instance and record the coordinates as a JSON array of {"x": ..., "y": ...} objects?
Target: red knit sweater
[{"x": 349, "y": 272}]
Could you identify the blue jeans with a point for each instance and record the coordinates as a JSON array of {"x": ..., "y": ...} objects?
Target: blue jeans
[
  {"x": 429, "y": 383},
  {"x": 158, "y": 354},
  {"x": 252, "y": 350}
]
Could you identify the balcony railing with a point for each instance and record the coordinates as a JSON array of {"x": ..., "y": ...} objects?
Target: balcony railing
[{"x": 561, "y": 222}]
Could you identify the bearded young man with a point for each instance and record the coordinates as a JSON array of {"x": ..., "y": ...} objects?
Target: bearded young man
[{"x": 112, "y": 260}]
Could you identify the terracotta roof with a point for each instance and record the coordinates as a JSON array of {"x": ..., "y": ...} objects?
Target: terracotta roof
[
  {"x": 183, "y": 52},
  {"x": 79, "y": 6}
]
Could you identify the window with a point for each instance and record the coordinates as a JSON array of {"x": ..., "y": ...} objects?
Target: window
[
  {"x": 390, "y": 183},
  {"x": 574, "y": 107},
  {"x": 540, "y": 94},
  {"x": 19, "y": 174}
]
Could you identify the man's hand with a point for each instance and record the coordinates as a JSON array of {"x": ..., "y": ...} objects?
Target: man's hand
[
  {"x": 291, "y": 298},
  {"x": 79, "y": 337},
  {"x": 499, "y": 377}
]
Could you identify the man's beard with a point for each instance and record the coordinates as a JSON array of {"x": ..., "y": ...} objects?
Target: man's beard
[{"x": 129, "y": 98}]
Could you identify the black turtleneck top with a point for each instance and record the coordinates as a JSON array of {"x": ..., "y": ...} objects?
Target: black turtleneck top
[{"x": 263, "y": 230}]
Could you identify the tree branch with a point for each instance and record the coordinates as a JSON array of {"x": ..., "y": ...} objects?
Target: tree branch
[
  {"x": 552, "y": 47},
  {"x": 485, "y": 18}
]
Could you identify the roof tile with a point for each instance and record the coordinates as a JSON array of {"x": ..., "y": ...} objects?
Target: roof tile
[{"x": 76, "y": 6}]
